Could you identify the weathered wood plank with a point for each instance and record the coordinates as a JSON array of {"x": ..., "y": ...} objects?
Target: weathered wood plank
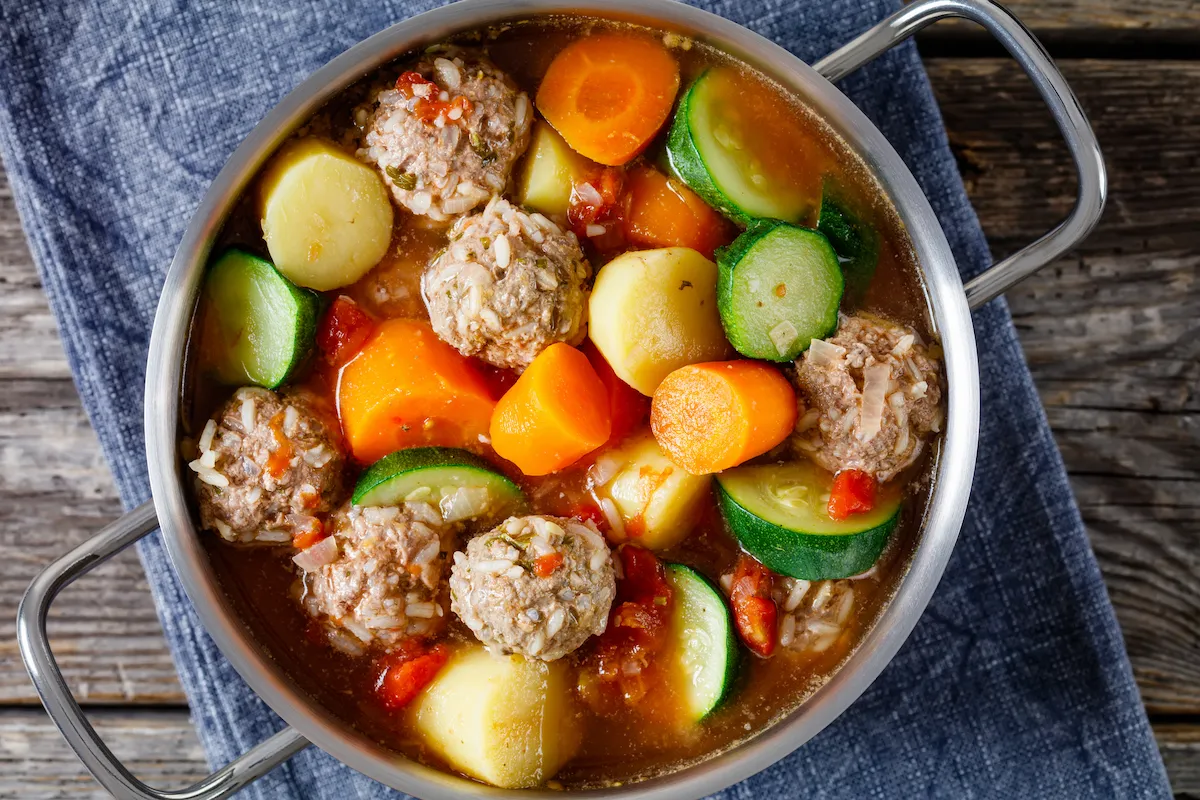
[
  {"x": 1092, "y": 24},
  {"x": 1180, "y": 748},
  {"x": 159, "y": 747},
  {"x": 1112, "y": 331}
]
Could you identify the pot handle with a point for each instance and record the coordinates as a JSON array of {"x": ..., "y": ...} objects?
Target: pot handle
[
  {"x": 1050, "y": 84},
  {"x": 66, "y": 713}
]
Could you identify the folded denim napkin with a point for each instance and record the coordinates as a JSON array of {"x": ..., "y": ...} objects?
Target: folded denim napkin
[{"x": 115, "y": 116}]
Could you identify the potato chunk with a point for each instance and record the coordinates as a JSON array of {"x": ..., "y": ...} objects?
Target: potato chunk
[
  {"x": 654, "y": 311},
  {"x": 326, "y": 217},
  {"x": 551, "y": 168},
  {"x": 502, "y": 719},
  {"x": 657, "y": 500}
]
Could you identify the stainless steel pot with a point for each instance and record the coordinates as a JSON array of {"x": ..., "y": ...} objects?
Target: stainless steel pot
[{"x": 951, "y": 303}]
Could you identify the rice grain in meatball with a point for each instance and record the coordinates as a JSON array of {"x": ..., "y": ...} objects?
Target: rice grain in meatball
[
  {"x": 446, "y": 142},
  {"x": 267, "y": 464},
  {"x": 379, "y": 576},
  {"x": 508, "y": 285},
  {"x": 873, "y": 395},
  {"x": 537, "y": 586}
]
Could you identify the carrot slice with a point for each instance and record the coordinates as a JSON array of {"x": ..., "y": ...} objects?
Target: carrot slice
[
  {"x": 665, "y": 213},
  {"x": 408, "y": 388},
  {"x": 556, "y": 412},
  {"x": 713, "y": 416},
  {"x": 608, "y": 94}
]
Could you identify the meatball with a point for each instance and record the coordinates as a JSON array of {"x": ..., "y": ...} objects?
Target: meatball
[
  {"x": 447, "y": 143},
  {"x": 538, "y": 586},
  {"x": 379, "y": 576},
  {"x": 873, "y": 393},
  {"x": 267, "y": 463},
  {"x": 509, "y": 285}
]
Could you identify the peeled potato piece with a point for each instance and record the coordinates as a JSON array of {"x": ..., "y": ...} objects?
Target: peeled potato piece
[
  {"x": 326, "y": 217},
  {"x": 654, "y": 311},
  {"x": 657, "y": 500},
  {"x": 551, "y": 169},
  {"x": 502, "y": 719}
]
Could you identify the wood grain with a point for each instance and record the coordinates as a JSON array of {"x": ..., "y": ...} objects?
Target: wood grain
[
  {"x": 161, "y": 748},
  {"x": 1110, "y": 333}
]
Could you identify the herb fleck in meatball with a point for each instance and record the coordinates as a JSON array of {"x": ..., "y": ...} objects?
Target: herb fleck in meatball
[
  {"x": 509, "y": 285},
  {"x": 873, "y": 393},
  {"x": 379, "y": 576},
  {"x": 537, "y": 586},
  {"x": 267, "y": 464},
  {"x": 447, "y": 140}
]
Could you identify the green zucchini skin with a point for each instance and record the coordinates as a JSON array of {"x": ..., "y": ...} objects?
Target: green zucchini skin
[
  {"x": 390, "y": 479},
  {"x": 815, "y": 288},
  {"x": 701, "y": 172},
  {"x": 855, "y": 241},
  {"x": 685, "y": 161},
  {"x": 247, "y": 293},
  {"x": 722, "y": 656},
  {"x": 806, "y": 554}
]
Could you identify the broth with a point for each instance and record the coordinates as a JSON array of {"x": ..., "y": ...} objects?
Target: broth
[{"x": 261, "y": 582}]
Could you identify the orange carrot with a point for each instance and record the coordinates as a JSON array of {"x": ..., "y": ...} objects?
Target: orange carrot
[
  {"x": 556, "y": 412},
  {"x": 608, "y": 94},
  {"x": 665, "y": 213},
  {"x": 626, "y": 404},
  {"x": 407, "y": 388},
  {"x": 713, "y": 416}
]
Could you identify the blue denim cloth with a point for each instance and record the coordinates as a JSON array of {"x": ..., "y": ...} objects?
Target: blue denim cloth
[{"x": 114, "y": 117}]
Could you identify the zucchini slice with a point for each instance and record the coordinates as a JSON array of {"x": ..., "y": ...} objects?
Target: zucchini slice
[
  {"x": 461, "y": 484},
  {"x": 702, "y": 627},
  {"x": 710, "y": 148},
  {"x": 855, "y": 242},
  {"x": 777, "y": 512},
  {"x": 779, "y": 286},
  {"x": 258, "y": 325}
]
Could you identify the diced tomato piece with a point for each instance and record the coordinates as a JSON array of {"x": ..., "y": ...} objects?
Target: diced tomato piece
[
  {"x": 754, "y": 612},
  {"x": 306, "y": 539},
  {"x": 628, "y": 406},
  {"x": 588, "y": 512},
  {"x": 599, "y": 202},
  {"x": 279, "y": 460},
  {"x": 544, "y": 566},
  {"x": 405, "y": 675},
  {"x": 429, "y": 107},
  {"x": 623, "y": 656},
  {"x": 343, "y": 331},
  {"x": 853, "y": 492}
]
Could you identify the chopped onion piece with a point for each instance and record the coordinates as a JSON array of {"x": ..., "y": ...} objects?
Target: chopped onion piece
[
  {"x": 874, "y": 394},
  {"x": 613, "y": 516},
  {"x": 783, "y": 336},
  {"x": 822, "y": 353},
  {"x": 604, "y": 470},
  {"x": 322, "y": 553},
  {"x": 465, "y": 502},
  {"x": 588, "y": 194}
]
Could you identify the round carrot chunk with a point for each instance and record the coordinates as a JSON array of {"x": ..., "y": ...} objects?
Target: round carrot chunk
[
  {"x": 556, "y": 412},
  {"x": 609, "y": 94},
  {"x": 713, "y": 416},
  {"x": 408, "y": 388}
]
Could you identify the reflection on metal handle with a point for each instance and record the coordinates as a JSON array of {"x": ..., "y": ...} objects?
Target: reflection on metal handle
[
  {"x": 69, "y": 717},
  {"x": 1029, "y": 53}
]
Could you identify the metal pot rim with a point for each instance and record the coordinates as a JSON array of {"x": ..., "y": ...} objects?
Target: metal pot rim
[{"x": 948, "y": 304}]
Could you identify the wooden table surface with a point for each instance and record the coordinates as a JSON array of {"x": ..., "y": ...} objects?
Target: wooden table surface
[{"x": 1111, "y": 331}]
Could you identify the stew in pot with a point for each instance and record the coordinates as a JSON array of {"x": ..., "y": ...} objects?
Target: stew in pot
[{"x": 560, "y": 405}]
